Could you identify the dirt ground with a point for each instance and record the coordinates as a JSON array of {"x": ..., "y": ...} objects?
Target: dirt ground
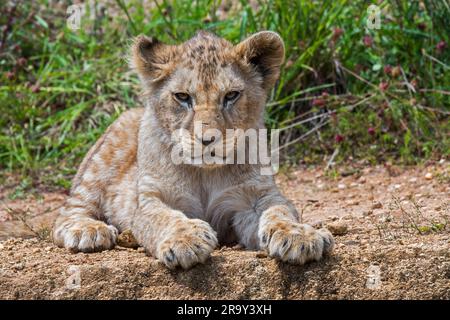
[{"x": 391, "y": 227}]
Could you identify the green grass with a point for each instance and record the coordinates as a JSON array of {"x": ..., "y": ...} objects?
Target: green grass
[{"x": 60, "y": 88}]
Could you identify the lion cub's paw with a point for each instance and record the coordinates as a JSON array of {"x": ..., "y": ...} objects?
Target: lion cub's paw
[
  {"x": 85, "y": 235},
  {"x": 294, "y": 242},
  {"x": 190, "y": 242}
]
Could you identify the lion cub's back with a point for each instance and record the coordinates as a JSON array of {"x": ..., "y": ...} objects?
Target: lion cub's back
[{"x": 113, "y": 154}]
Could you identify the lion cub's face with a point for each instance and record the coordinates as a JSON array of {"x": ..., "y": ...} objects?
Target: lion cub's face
[{"x": 206, "y": 85}]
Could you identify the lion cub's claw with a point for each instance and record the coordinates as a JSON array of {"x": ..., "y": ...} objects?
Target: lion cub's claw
[
  {"x": 295, "y": 243},
  {"x": 190, "y": 243},
  {"x": 85, "y": 235}
]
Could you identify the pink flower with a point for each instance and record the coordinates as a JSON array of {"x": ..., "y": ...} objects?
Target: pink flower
[
  {"x": 21, "y": 61},
  {"x": 371, "y": 131},
  {"x": 338, "y": 138},
  {"x": 35, "y": 88},
  {"x": 9, "y": 75},
  {"x": 368, "y": 41},
  {"x": 441, "y": 46},
  {"x": 387, "y": 69},
  {"x": 318, "y": 102},
  {"x": 383, "y": 86},
  {"x": 337, "y": 33}
]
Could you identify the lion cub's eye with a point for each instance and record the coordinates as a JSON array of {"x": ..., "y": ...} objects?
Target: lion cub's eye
[
  {"x": 231, "y": 97},
  {"x": 183, "y": 98}
]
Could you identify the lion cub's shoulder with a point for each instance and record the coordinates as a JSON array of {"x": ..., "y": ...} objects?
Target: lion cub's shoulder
[{"x": 118, "y": 143}]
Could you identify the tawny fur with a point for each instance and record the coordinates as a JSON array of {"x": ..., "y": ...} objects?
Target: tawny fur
[{"x": 180, "y": 213}]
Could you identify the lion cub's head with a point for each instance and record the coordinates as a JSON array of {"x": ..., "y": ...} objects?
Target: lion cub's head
[{"x": 207, "y": 81}]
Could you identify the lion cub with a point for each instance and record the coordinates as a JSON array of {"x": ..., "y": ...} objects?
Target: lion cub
[{"x": 180, "y": 212}]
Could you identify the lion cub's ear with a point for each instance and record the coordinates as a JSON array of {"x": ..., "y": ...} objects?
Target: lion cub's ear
[
  {"x": 265, "y": 51},
  {"x": 153, "y": 60}
]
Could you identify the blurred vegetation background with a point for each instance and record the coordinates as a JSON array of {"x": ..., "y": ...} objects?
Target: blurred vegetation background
[{"x": 345, "y": 92}]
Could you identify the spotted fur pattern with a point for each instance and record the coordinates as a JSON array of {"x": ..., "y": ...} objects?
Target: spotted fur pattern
[{"x": 180, "y": 213}]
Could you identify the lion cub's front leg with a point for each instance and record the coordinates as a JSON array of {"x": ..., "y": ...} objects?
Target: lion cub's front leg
[
  {"x": 170, "y": 236},
  {"x": 286, "y": 239}
]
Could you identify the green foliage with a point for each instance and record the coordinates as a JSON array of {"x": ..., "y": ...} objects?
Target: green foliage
[{"x": 378, "y": 94}]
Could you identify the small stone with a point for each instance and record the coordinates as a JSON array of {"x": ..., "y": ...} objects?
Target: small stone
[
  {"x": 351, "y": 243},
  {"x": 48, "y": 249},
  {"x": 127, "y": 240},
  {"x": 377, "y": 205},
  {"x": 317, "y": 224},
  {"x": 19, "y": 266},
  {"x": 352, "y": 202},
  {"x": 367, "y": 213},
  {"x": 362, "y": 180},
  {"x": 141, "y": 249},
  {"x": 261, "y": 255},
  {"x": 337, "y": 228},
  {"x": 429, "y": 176},
  {"x": 412, "y": 180},
  {"x": 2, "y": 246},
  {"x": 341, "y": 186}
]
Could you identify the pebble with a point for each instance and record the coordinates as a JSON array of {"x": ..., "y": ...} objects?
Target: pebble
[
  {"x": 351, "y": 243},
  {"x": 367, "y": 213},
  {"x": 141, "y": 249},
  {"x": 261, "y": 255},
  {"x": 377, "y": 205},
  {"x": 353, "y": 202},
  {"x": 412, "y": 180},
  {"x": 19, "y": 266},
  {"x": 341, "y": 186},
  {"x": 337, "y": 228},
  {"x": 237, "y": 247},
  {"x": 2, "y": 246},
  {"x": 317, "y": 223},
  {"x": 429, "y": 176}
]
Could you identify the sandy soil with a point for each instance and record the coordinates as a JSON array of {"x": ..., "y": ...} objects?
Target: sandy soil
[{"x": 391, "y": 228}]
